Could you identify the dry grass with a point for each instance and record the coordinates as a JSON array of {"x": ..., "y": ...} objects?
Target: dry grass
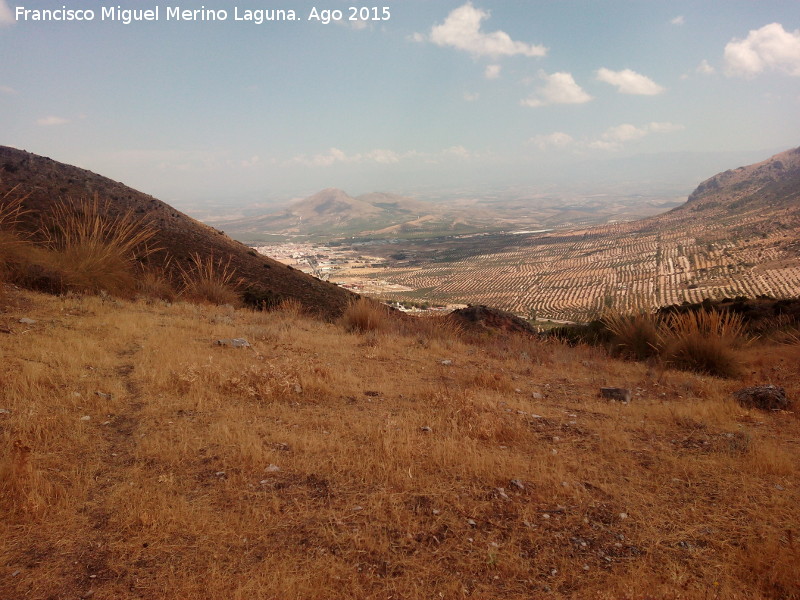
[
  {"x": 314, "y": 466},
  {"x": 12, "y": 245},
  {"x": 365, "y": 315},
  {"x": 635, "y": 336},
  {"x": 704, "y": 341},
  {"x": 210, "y": 280},
  {"x": 93, "y": 250}
]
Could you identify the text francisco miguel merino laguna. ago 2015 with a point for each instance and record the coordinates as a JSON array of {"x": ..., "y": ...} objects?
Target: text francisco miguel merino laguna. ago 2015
[{"x": 176, "y": 13}]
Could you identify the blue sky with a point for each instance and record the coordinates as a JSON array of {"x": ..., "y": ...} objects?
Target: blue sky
[{"x": 443, "y": 93}]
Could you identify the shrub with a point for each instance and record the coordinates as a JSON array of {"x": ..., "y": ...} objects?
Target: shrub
[
  {"x": 703, "y": 341},
  {"x": 427, "y": 329},
  {"x": 209, "y": 280},
  {"x": 153, "y": 282},
  {"x": 91, "y": 249},
  {"x": 12, "y": 246},
  {"x": 292, "y": 307},
  {"x": 365, "y": 315},
  {"x": 634, "y": 336}
]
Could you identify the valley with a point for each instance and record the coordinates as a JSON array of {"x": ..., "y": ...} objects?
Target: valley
[{"x": 722, "y": 243}]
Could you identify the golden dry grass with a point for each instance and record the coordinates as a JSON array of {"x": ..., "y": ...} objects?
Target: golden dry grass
[
  {"x": 210, "y": 280},
  {"x": 94, "y": 250},
  {"x": 365, "y": 315},
  {"x": 139, "y": 460}
]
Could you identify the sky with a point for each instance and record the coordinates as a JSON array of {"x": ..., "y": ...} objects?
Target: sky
[{"x": 438, "y": 94}]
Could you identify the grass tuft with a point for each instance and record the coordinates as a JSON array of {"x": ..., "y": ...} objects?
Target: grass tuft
[
  {"x": 635, "y": 336},
  {"x": 91, "y": 250},
  {"x": 365, "y": 315},
  {"x": 704, "y": 342},
  {"x": 210, "y": 280}
]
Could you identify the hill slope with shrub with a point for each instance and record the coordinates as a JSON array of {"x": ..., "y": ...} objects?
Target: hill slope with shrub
[{"x": 42, "y": 182}]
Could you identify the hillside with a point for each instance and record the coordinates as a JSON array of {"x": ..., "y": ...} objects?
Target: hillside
[
  {"x": 44, "y": 180},
  {"x": 768, "y": 185},
  {"x": 737, "y": 235},
  {"x": 140, "y": 460}
]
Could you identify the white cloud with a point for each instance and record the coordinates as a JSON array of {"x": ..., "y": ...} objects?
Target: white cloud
[
  {"x": 7, "y": 90},
  {"x": 380, "y": 156},
  {"x": 615, "y": 137},
  {"x": 471, "y": 97},
  {"x": 462, "y": 30},
  {"x": 51, "y": 120},
  {"x": 560, "y": 88},
  {"x": 492, "y": 71},
  {"x": 325, "y": 159},
  {"x": 667, "y": 127},
  {"x": 679, "y": 20},
  {"x": 457, "y": 151},
  {"x": 629, "y": 82},
  {"x": 335, "y": 155},
  {"x": 704, "y": 68},
  {"x": 384, "y": 157},
  {"x": 6, "y": 16},
  {"x": 769, "y": 48},
  {"x": 557, "y": 139}
]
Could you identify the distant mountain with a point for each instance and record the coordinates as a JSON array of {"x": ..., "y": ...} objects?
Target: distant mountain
[
  {"x": 334, "y": 212},
  {"x": 178, "y": 234}
]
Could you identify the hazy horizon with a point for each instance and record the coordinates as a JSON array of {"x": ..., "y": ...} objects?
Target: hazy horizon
[{"x": 436, "y": 96}]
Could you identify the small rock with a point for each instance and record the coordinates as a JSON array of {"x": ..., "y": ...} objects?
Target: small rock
[
  {"x": 5, "y": 411},
  {"x": 15, "y": 573},
  {"x": 220, "y": 473},
  {"x": 545, "y": 516},
  {"x": 436, "y": 511},
  {"x": 502, "y": 493},
  {"x": 27, "y": 321},
  {"x": 86, "y": 418},
  {"x": 272, "y": 469},
  {"x": 103, "y": 395},
  {"x": 472, "y": 523},
  {"x": 585, "y": 567},
  {"x": 446, "y": 362},
  {"x": 517, "y": 391},
  {"x": 764, "y": 397},
  {"x": 623, "y": 516},
  {"x": 372, "y": 393},
  {"x": 298, "y": 389},
  {"x": 233, "y": 343},
  {"x": 536, "y": 396},
  {"x": 517, "y": 484},
  {"x": 779, "y": 487},
  {"x": 426, "y": 429},
  {"x": 614, "y": 393}
]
